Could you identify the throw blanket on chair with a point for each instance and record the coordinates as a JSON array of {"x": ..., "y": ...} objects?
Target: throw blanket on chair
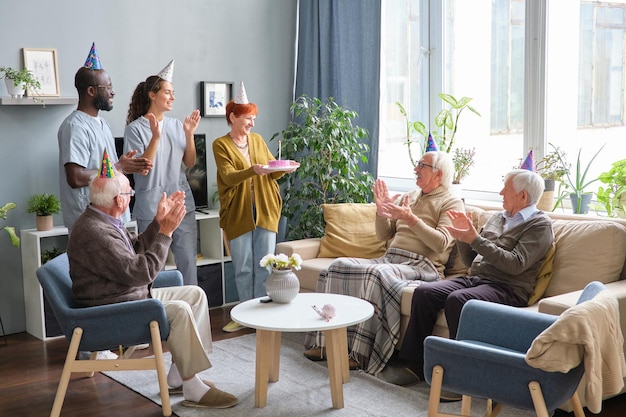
[
  {"x": 588, "y": 332},
  {"x": 379, "y": 281}
]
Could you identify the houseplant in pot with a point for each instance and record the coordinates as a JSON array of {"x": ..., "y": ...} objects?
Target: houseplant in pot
[
  {"x": 15, "y": 240},
  {"x": 19, "y": 81},
  {"x": 577, "y": 184},
  {"x": 44, "y": 206},
  {"x": 330, "y": 149},
  {"x": 552, "y": 168},
  {"x": 613, "y": 197}
]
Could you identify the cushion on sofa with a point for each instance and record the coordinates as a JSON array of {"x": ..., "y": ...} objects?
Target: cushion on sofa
[
  {"x": 350, "y": 231},
  {"x": 586, "y": 251},
  {"x": 543, "y": 276}
]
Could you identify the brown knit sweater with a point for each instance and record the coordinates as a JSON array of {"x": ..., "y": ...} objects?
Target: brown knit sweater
[{"x": 104, "y": 270}]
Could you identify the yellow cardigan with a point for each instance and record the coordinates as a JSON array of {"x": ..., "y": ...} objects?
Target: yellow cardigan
[{"x": 233, "y": 185}]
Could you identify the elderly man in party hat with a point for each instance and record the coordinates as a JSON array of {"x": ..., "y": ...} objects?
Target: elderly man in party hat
[
  {"x": 106, "y": 269},
  {"x": 83, "y": 136}
]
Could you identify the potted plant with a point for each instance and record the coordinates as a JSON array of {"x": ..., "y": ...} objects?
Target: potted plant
[
  {"x": 613, "y": 197},
  {"x": 15, "y": 240},
  {"x": 577, "y": 184},
  {"x": 19, "y": 81},
  {"x": 447, "y": 123},
  {"x": 329, "y": 147},
  {"x": 44, "y": 206},
  {"x": 552, "y": 168}
]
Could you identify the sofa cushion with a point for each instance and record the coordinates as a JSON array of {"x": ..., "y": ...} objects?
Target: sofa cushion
[
  {"x": 350, "y": 231},
  {"x": 586, "y": 251},
  {"x": 543, "y": 276}
]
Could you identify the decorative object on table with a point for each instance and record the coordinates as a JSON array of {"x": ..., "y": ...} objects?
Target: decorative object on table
[
  {"x": 42, "y": 63},
  {"x": 332, "y": 152},
  {"x": 614, "y": 195},
  {"x": 327, "y": 312},
  {"x": 448, "y": 121},
  {"x": 282, "y": 285},
  {"x": 577, "y": 184},
  {"x": 44, "y": 206},
  {"x": 18, "y": 81},
  {"x": 214, "y": 96},
  {"x": 552, "y": 168},
  {"x": 15, "y": 240}
]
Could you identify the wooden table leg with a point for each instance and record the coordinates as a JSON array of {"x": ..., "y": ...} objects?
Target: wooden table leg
[
  {"x": 337, "y": 360},
  {"x": 267, "y": 364}
]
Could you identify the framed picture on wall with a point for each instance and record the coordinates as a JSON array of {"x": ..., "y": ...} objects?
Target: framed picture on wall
[
  {"x": 214, "y": 96},
  {"x": 42, "y": 63}
]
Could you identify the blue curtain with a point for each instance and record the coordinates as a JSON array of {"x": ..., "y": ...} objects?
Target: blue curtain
[{"x": 339, "y": 57}]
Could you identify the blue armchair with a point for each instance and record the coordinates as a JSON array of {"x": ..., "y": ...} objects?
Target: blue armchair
[
  {"x": 104, "y": 327},
  {"x": 487, "y": 360}
]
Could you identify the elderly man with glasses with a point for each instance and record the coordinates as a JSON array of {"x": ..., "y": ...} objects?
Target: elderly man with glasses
[{"x": 419, "y": 246}]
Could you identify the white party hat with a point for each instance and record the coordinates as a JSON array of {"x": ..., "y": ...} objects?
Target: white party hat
[
  {"x": 167, "y": 73},
  {"x": 241, "y": 97}
]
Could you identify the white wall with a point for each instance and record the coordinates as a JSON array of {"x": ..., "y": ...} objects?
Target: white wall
[{"x": 211, "y": 40}]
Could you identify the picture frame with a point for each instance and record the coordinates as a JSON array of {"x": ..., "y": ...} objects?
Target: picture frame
[
  {"x": 214, "y": 96},
  {"x": 42, "y": 63}
]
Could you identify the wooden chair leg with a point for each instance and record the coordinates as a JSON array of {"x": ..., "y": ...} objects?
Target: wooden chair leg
[
  {"x": 157, "y": 347},
  {"x": 70, "y": 358},
  {"x": 577, "y": 406},
  {"x": 537, "y": 397}
]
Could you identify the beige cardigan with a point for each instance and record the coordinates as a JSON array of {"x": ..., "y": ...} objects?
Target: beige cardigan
[{"x": 588, "y": 332}]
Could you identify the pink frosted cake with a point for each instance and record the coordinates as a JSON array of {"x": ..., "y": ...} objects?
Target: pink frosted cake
[{"x": 280, "y": 163}]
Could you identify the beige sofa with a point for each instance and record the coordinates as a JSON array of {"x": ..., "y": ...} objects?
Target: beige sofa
[{"x": 587, "y": 248}]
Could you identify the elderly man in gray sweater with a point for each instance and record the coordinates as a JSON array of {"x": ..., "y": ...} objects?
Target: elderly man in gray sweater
[
  {"x": 505, "y": 258},
  {"x": 110, "y": 265}
]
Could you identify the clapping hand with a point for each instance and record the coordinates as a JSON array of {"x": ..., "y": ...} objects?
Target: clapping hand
[
  {"x": 382, "y": 199},
  {"x": 170, "y": 212},
  {"x": 462, "y": 227},
  {"x": 191, "y": 123}
]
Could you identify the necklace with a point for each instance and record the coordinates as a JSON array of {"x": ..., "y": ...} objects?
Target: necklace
[{"x": 237, "y": 145}]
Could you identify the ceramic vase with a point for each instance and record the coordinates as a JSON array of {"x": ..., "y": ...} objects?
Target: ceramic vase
[
  {"x": 282, "y": 286},
  {"x": 44, "y": 223}
]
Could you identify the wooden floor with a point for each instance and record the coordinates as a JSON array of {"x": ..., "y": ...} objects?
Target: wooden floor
[{"x": 30, "y": 370}]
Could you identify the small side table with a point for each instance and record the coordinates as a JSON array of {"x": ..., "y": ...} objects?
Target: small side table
[{"x": 271, "y": 319}]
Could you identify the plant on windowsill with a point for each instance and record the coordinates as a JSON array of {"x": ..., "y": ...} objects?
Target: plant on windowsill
[
  {"x": 15, "y": 240},
  {"x": 577, "y": 184},
  {"x": 447, "y": 123},
  {"x": 322, "y": 137},
  {"x": 44, "y": 206},
  {"x": 613, "y": 197},
  {"x": 553, "y": 168},
  {"x": 20, "y": 81}
]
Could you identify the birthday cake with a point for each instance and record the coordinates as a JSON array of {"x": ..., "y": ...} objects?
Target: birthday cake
[{"x": 280, "y": 163}]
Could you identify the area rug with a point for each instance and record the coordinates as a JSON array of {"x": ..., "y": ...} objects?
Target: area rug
[{"x": 302, "y": 389}]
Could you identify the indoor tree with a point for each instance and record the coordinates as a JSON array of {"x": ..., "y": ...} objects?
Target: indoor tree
[{"x": 331, "y": 151}]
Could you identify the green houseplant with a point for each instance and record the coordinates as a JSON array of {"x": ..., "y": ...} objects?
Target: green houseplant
[
  {"x": 44, "y": 206},
  {"x": 552, "y": 168},
  {"x": 613, "y": 197},
  {"x": 20, "y": 81},
  {"x": 330, "y": 149},
  {"x": 447, "y": 124},
  {"x": 577, "y": 183},
  {"x": 15, "y": 240}
]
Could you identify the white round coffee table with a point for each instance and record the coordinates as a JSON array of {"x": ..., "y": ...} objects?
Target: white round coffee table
[{"x": 270, "y": 319}]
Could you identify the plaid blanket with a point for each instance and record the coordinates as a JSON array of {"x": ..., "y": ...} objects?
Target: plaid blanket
[{"x": 379, "y": 281}]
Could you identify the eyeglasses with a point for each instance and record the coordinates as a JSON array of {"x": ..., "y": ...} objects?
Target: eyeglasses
[
  {"x": 130, "y": 193},
  {"x": 108, "y": 88},
  {"x": 421, "y": 165}
]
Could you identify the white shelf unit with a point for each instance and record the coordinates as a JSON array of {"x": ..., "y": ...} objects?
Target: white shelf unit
[
  {"x": 28, "y": 101},
  {"x": 35, "y": 243}
]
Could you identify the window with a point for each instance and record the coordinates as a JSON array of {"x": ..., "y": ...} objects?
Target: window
[
  {"x": 569, "y": 90},
  {"x": 601, "y": 64}
]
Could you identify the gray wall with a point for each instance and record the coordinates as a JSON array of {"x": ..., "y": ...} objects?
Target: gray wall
[{"x": 211, "y": 40}]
